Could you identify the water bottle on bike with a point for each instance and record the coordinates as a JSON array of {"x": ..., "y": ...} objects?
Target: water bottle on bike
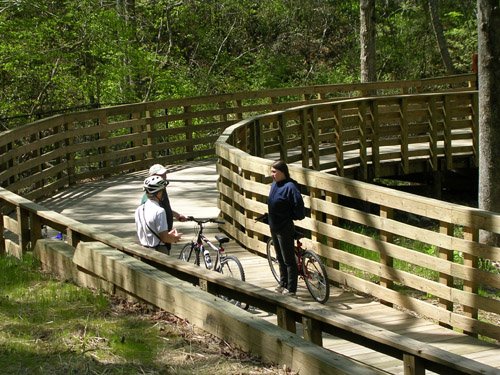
[{"x": 208, "y": 260}]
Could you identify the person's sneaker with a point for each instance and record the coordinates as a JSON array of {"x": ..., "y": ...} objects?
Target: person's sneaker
[
  {"x": 286, "y": 292},
  {"x": 279, "y": 289}
]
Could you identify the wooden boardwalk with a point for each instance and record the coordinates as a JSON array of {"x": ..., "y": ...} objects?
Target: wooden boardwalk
[{"x": 109, "y": 205}]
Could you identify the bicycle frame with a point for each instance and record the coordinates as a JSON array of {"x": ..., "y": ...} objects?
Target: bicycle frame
[
  {"x": 309, "y": 266},
  {"x": 299, "y": 252},
  {"x": 202, "y": 242},
  {"x": 228, "y": 265}
]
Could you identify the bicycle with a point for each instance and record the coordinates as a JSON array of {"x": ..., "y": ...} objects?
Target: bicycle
[
  {"x": 311, "y": 268},
  {"x": 225, "y": 264}
]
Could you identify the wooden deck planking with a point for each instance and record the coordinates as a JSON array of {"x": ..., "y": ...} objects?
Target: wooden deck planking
[{"x": 370, "y": 311}]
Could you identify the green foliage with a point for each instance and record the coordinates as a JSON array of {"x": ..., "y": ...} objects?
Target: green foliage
[{"x": 68, "y": 54}]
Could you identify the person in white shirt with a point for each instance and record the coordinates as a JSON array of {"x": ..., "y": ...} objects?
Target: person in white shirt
[
  {"x": 151, "y": 219},
  {"x": 160, "y": 170}
]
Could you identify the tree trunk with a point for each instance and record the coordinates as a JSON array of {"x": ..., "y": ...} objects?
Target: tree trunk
[
  {"x": 489, "y": 109},
  {"x": 367, "y": 40},
  {"x": 438, "y": 32}
]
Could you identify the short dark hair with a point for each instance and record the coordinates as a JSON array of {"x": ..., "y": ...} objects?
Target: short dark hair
[{"x": 281, "y": 166}]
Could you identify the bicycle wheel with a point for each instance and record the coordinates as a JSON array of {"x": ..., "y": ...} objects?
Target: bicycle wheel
[
  {"x": 273, "y": 260},
  {"x": 232, "y": 267},
  {"x": 315, "y": 276},
  {"x": 188, "y": 252}
]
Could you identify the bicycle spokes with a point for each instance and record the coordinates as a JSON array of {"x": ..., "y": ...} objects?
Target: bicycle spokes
[
  {"x": 315, "y": 277},
  {"x": 273, "y": 260}
]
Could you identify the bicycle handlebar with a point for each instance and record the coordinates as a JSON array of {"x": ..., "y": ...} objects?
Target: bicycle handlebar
[{"x": 201, "y": 221}]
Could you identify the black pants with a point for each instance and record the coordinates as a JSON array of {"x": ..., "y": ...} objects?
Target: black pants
[
  {"x": 163, "y": 249},
  {"x": 284, "y": 245}
]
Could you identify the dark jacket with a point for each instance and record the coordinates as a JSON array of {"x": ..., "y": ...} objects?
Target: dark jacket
[{"x": 285, "y": 204}]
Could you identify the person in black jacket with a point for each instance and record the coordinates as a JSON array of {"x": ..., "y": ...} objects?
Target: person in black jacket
[{"x": 285, "y": 204}]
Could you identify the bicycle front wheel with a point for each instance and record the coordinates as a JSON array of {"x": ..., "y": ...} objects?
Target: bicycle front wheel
[
  {"x": 272, "y": 259},
  {"x": 232, "y": 267},
  {"x": 188, "y": 253},
  {"x": 315, "y": 276}
]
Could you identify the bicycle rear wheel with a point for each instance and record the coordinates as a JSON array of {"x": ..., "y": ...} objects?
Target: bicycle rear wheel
[
  {"x": 273, "y": 260},
  {"x": 232, "y": 267},
  {"x": 315, "y": 276},
  {"x": 188, "y": 253}
]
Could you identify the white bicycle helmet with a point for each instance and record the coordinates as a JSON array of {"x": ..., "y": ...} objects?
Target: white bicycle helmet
[{"x": 154, "y": 184}]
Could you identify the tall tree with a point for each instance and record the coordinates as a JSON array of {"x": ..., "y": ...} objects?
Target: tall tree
[
  {"x": 433, "y": 6},
  {"x": 489, "y": 108},
  {"x": 367, "y": 40}
]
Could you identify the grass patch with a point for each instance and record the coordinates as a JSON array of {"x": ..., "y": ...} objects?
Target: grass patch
[{"x": 53, "y": 327}]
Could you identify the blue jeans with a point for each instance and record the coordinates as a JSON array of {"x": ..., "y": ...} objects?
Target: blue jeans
[{"x": 284, "y": 245}]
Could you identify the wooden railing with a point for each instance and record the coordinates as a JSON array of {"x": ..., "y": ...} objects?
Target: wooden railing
[
  {"x": 395, "y": 246},
  {"x": 120, "y": 275},
  {"x": 356, "y": 137},
  {"x": 43, "y": 157}
]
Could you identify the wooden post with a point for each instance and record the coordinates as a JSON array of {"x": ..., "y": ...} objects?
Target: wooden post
[
  {"x": 23, "y": 229},
  {"x": 386, "y": 213},
  {"x": 252, "y": 196},
  {"x": 283, "y": 135},
  {"x": 404, "y": 136},
  {"x": 471, "y": 234},
  {"x": 307, "y": 137},
  {"x": 445, "y": 279},
  {"x": 475, "y": 127},
  {"x": 312, "y": 331},
  {"x": 203, "y": 284},
  {"x": 339, "y": 141},
  {"x": 239, "y": 113},
  {"x": 103, "y": 138},
  {"x": 223, "y": 114},
  {"x": 37, "y": 152},
  {"x": 72, "y": 238},
  {"x": 375, "y": 138},
  {"x": 314, "y": 143},
  {"x": 9, "y": 163},
  {"x": 188, "y": 122},
  {"x": 363, "y": 162},
  {"x": 316, "y": 215},
  {"x": 149, "y": 138},
  {"x": 35, "y": 229},
  {"x": 332, "y": 242},
  {"x": 258, "y": 141},
  {"x": 412, "y": 365},
  {"x": 433, "y": 133},
  {"x": 447, "y": 133},
  {"x": 286, "y": 320},
  {"x": 70, "y": 156},
  {"x": 136, "y": 128},
  {"x": 2, "y": 238}
]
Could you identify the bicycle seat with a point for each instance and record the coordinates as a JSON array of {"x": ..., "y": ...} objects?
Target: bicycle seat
[
  {"x": 221, "y": 239},
  {"x": 298, "y": 235}
]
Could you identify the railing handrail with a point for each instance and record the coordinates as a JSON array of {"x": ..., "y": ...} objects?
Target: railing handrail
[{"x": 177, "y": 119}]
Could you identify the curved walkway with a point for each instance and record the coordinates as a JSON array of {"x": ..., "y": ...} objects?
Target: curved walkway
[{"x": 109, "y": 206}]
